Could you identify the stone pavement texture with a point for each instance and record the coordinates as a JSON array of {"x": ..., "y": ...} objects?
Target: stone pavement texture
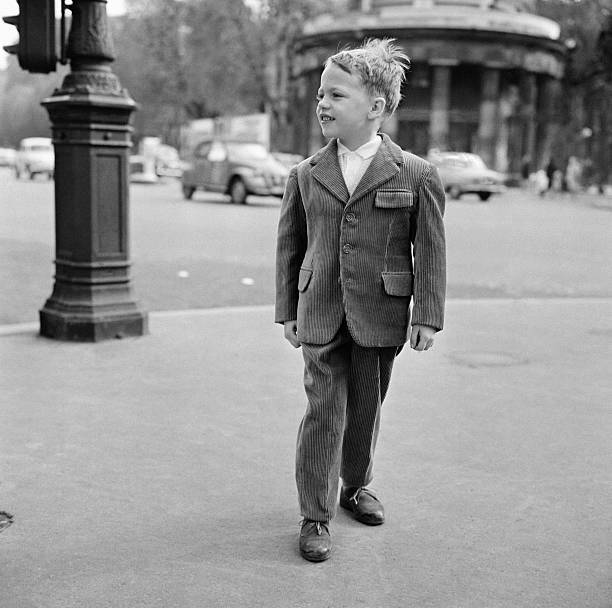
[{"x": 158, "y": 471}]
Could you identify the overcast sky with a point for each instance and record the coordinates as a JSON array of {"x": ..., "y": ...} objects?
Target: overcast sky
[{"x": 8, "y": 34}]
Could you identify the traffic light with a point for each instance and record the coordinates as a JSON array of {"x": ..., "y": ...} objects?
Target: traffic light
[{"x": 35, "y": 22}]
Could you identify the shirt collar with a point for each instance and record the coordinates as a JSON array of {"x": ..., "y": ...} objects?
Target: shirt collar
[{"x": 365, "y": 151}]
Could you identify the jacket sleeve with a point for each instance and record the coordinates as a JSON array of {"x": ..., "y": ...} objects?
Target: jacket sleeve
[
  {"x": 290, "y": 250},
  {"x": 429, "y": 251}
]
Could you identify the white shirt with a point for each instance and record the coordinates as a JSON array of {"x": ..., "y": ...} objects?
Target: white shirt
[{"x": 354, "y": 163}]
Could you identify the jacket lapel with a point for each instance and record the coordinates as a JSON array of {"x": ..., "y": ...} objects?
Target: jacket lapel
[
  {"x": 383, "y": 167},
  {"x": 327, "y": 171}
]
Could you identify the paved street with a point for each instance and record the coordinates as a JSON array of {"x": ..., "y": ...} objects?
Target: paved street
[
  {"x": 197, "y": 254},
  {"x": 157, "y": 471},
  {"x": 218, "y": 245}
]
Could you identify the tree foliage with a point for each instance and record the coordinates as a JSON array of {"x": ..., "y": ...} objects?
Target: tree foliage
[
  {"x": 21, "y": 114},
  {"x": 184, "y": 59},
  {"x": 604, "y": 48},
  {"x": 582, "y": 22}
]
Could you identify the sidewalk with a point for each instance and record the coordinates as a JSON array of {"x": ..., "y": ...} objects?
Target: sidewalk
[{"x": 158, "y": 471}]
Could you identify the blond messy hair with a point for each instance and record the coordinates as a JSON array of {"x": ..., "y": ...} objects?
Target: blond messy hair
[{"x": 381, "y": 65}]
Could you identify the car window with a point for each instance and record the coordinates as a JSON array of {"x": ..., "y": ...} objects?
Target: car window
[
  {"x": 452, "y": 163},
  {"x": 460, "y": 161},
  {"x": 239, "y": 152},
  {"x": 202, "y": 150},
  {"x": 217, "y": 153},
  {"x": 475, "y": 161}
]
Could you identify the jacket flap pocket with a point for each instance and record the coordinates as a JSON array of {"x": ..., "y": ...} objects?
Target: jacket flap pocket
[
  {"x": 398, "y": 283},
  {"x": 394, "y": 199},
  {"x": 304, "y": 278}
]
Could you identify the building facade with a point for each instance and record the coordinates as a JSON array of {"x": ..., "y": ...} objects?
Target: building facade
[{"x": 485, "y": 76}]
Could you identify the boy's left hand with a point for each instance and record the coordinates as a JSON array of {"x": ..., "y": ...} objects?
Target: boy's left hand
[{"x": 422, "y": 337}]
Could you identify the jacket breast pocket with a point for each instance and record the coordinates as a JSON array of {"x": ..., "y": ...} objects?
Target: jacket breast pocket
[
  {"x": 394, "y": 199},
  {"x": 304, "y": 278},
  {"x": 398, "y": 283}
]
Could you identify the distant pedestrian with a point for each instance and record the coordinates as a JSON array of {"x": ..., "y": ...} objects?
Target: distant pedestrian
[
  {"x": 540, "y": 179},
  {"x": 551, "y": 168},
  {"x": 573, "y": 175},
  {"x": 525, "y": 168},
  {"x": 360, "y": 234}
]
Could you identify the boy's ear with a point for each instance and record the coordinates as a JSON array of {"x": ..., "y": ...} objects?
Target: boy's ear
[{"x": 378, "y": 107}]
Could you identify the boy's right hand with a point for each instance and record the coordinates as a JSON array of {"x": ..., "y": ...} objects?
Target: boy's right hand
[{"x": 291, "y": 333}]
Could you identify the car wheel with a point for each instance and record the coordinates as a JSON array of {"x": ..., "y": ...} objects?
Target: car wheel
[
  {"x": 238, "y": 191},
  {"x": 454, "y": 192},
  {"x": 188, "y": 192},
  {"x": 484, "y": 196}
]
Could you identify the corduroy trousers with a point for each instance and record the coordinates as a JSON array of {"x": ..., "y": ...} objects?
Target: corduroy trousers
[{"x": 345, "y": 385}]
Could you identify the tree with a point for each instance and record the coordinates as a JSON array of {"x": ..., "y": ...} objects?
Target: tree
[
  {"x": 581, "y": 22},
  {"x": 587, "y": 97},
  {"x": 184, "y": 59},
  {"x": 277, "y": 25},
  {"x": 604, "y": 49},
  {"x": 21, "y": 114}
]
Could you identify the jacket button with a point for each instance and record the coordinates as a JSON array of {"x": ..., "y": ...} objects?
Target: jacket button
[
  {"x": 347, "y": 248},
  {"x": 351, "y": 217}
]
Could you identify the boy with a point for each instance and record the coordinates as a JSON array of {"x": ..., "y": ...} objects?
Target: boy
[{"x": 360, "y": 233}]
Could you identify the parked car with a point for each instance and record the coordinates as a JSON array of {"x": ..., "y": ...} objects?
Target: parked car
[
  {"x": 35, "y": 155},
  {"x": 167, "y": 162},
  {"x": 7, "y": 157},
  {"x": 467, "y": 173},
  {"x": 142, "y": 170},
  {"x": 234, "y": 168}
]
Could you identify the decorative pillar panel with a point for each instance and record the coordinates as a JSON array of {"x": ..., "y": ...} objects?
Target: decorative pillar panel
[
  {"x": 551, "y": 99},
  {"x": 488, "y": 125},
  {"x": 439, "y": 121},
  {"x": 110, "y": 226},
  {"x": 508, "y": 104},
  {"x": 91, "y": 115},
  {"x": 529, "y": 96}
]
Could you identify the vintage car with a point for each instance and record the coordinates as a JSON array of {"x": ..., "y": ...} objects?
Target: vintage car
[
  {"x": 466, "y": 173},
  {"x": 168, "y": 162},
  {"x": 35, "y": 156},
  {"x": 7, "y": 157},
  {"x": 142, "y": 170},
  {"x": 235, "y": 168}
]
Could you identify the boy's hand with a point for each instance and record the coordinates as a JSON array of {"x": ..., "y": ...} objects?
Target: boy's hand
[
  {"x": 291, "y": 333},
  {"x": 422, "y": 337}
]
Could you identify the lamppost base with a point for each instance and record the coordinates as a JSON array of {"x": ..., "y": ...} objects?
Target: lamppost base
[{"x": 73, "y": 326}]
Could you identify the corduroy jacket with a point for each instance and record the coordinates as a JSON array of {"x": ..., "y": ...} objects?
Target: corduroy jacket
[{"x": 362, "y": 257}]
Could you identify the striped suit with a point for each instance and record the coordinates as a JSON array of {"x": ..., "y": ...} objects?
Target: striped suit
[{"x": 347, "y": 268}]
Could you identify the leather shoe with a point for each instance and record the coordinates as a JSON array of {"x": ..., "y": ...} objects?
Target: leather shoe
[
  {"x": 364, "y": 505},
  {"x": 315, "y": 541}
]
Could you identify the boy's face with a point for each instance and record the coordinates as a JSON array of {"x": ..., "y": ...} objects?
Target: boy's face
[{"x": 346, "y": 109}]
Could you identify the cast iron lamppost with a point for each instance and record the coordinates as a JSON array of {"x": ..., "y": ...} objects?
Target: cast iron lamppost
[{"x": 90, "y": 114}]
